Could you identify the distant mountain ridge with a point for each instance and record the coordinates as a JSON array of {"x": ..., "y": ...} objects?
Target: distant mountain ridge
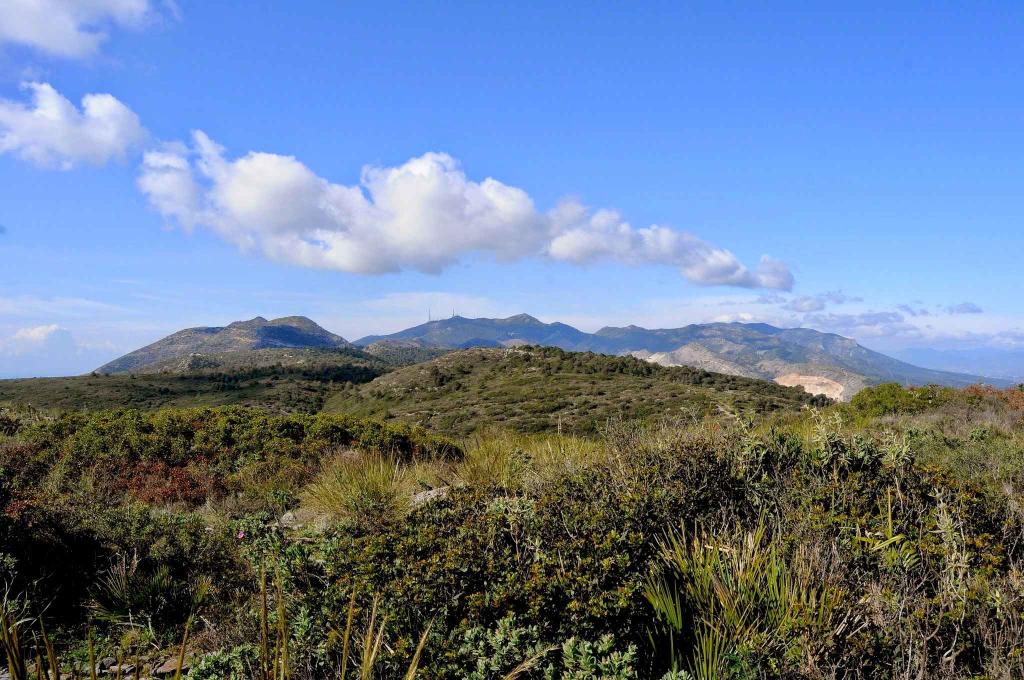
[
  {"x": 289, "y": 332},
  {"x": 458, "y": 332},
  {"x": 822, "y": 363},
  {"x": 825, "y": 362},
  {"x": 998, "y": 362}
]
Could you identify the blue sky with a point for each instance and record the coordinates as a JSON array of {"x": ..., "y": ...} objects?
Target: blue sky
[{"x": 642, "y": 162}]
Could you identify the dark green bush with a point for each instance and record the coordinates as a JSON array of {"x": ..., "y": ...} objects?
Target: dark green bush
[{"x": 893, "y": 399}]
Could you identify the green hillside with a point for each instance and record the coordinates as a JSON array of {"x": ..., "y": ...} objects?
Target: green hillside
[
  {"x": 533, "y": 389},
  {"x": 279, "y": 380},
  {"x": 399, "y": 353}
]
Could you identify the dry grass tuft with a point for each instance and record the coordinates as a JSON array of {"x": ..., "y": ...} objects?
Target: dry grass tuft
[{"x": 369, "y": 491}]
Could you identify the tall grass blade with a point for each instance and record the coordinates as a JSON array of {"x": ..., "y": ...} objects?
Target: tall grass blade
[
  {"x": 282, "y": 627},
  {"x": 181, "y": 652},
  {"x": 348, "y": 634},
  {"x": 92, "y": 656},
  {"x": 264, "y": 663},
  {"x": 51, "y": 654},
  {"x": 415, "y": 663},
  {"x": 371, "y": 643},
  {"x": 11, "y": 643},
  {"x": 529, "y": 663}
]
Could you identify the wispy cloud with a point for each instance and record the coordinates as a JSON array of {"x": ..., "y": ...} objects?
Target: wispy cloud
[
  {"x": 964, "y": 308},
  {"x": 910, "y": 310},
  {"x": 425, "y": 214},
  {"x": 816, "y": 303},
  {"x": 805, "y": 304},
  {"x": 35, "y": 334},
  {"x": 31, "y": 306}
]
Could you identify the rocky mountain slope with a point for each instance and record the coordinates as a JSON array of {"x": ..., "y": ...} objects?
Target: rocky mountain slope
[
  {"x": 823, "y": 363},
  {"x": 197, "y": 345}
]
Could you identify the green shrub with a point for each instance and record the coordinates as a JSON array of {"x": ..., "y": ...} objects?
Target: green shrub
[
  {"x": 509, "y": 650},
  {"x": 494, "y": 654},
  {"x": 894, "y": 399},
  {"x": 601, "y": 660},
  {"x": 236, "y": 664},
  {"x": 10, "y": 423}
]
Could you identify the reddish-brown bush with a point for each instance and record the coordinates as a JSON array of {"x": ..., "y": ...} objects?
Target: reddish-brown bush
[{"x": 158, "y": 483}]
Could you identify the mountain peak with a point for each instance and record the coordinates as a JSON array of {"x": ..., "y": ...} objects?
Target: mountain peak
[
  {"x": 255, "y": 321},
  {"x": 289, "y": 332},
  {"x": 523, "y": 318},
  {"x": 298, "y": 321},
  {"x": 460, "y": 333}
]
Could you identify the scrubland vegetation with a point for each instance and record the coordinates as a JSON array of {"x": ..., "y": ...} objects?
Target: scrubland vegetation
[
  {"x": 274, "y": 387},
  {"x": 537, "y": 389},
  {"x": 877, "y": 539},
  {"x": 530, "y": 389}
]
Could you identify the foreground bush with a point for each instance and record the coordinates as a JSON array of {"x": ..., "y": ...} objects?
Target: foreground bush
[{"x": 832, "y": 544}]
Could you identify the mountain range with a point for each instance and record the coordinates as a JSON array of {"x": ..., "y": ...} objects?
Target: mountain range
[{"x": 821, "y": 363}]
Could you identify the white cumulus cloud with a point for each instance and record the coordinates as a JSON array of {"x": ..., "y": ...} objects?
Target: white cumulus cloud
[
  {"x": 69, "y": 28},
  {"x": 51, "y": 131},
  {"x": 581, "y": 236},
  {"x": 424, "y": 214},
  {"x": 166, "y": 180}
]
